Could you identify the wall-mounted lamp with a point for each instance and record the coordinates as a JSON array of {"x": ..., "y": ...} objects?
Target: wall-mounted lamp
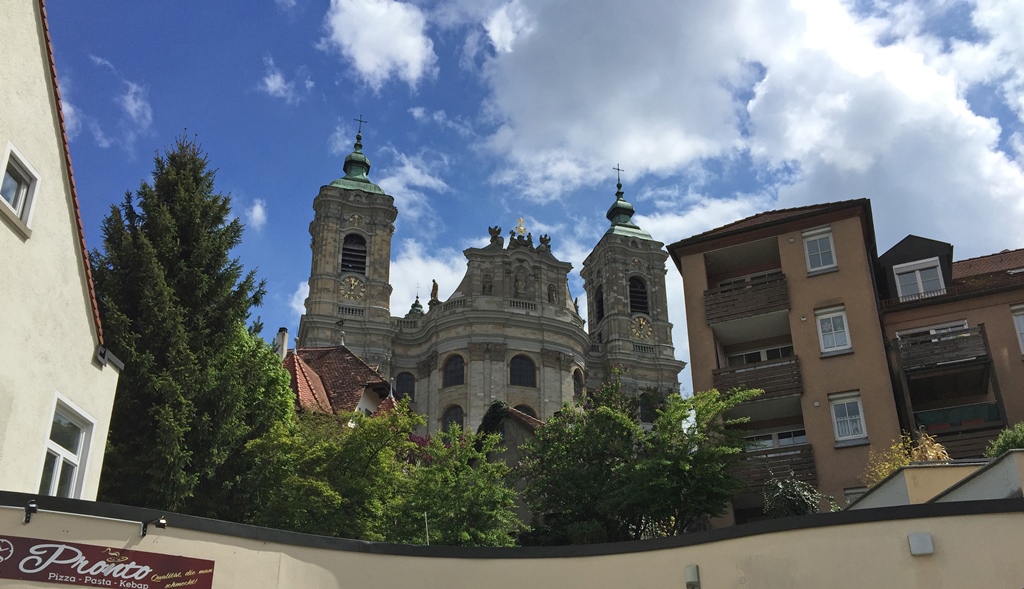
[
  {"x": 692, "y": 575},
  {"x": 30, "y": 508},
  {"x": 921, "y": 544},
  {"x": 159, "y": 522}
]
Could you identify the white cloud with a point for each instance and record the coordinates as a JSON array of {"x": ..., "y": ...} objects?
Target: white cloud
[
  {"x": 819, "y": 103},
  {"x": 507, "y": 24},
  {"x": 381, "y": 39},
  {"x": 440, "y": 118},
  {"x": 340, "y": 142},
  {"x": 285, "y": 4},
  {"x": 275, "y": 84},
  {"x": 136, "y": 105},
  {"x": 414, "y": 268},
  {"x": 256, "y": 214},
  {"x": 407, "y": 180},
  {"x": 99, "y": 136},
  {"x": 72, "y": 119},
  {"x": 297, "y": 302}
]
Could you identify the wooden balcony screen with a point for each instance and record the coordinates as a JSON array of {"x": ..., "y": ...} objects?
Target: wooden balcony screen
[
  {"x": 940, "y": 349},
  {"x": 777, "y": 378},
  {"x": 761, "y": 295},
  {"x": 759, "y": 467}
]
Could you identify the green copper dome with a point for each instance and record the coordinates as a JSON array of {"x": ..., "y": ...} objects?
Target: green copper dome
[
  {"x": 357, "y": 166},
  {"x": 621, "y": 215},
  {"x": 417, "y": 308}
]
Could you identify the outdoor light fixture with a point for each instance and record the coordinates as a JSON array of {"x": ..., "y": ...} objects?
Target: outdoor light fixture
[
  {"x": 30, "y": 508},
  {"x": 160, "y": 522},
  {"x": 692, "y": 576}
]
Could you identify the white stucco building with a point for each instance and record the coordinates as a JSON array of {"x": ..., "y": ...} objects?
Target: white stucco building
[{"x": 57, "y": 381}]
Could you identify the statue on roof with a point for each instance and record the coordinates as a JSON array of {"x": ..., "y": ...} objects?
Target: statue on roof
[{"x": 433, "y": 291}]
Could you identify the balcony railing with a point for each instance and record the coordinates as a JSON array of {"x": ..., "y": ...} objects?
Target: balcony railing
[
  {"x": 757, "y": 468},
  {"x": 778, "y": 378},
  {"x": 959, "y": 418},
  {"x": 940, "y": 349},
  {"x": 760, "y": 295}
]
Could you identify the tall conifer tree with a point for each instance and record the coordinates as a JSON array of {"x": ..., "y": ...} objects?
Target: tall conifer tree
[{"x": 197, "y": 384}]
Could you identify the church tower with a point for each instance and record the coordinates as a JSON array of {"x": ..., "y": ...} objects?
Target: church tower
[
  {"x": 349, "y": 289},
  {"x": 624, "y": 278}
]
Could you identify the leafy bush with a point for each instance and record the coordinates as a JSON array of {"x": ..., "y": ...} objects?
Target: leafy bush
[
  {"x": 901, "y": 453},
  {"x": 787, "y": 496},
  {"x": 1010, "y": 438}
]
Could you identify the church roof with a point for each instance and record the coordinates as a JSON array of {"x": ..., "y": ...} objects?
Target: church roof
[
  {"x": 330, "y": 379},
  {"x": 357, "y": 167},
  {"x": 621, "y": 214}
]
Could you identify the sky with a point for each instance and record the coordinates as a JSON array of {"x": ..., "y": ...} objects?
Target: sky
[{"x": 480, "y": 112}]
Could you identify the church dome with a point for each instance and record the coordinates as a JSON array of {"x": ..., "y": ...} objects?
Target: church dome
[
  {"x": 621, "y": 215},
  {"x": 356, "y": 167}
]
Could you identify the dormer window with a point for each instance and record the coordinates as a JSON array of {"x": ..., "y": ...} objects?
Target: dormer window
[{"x": 919, "y": 279}]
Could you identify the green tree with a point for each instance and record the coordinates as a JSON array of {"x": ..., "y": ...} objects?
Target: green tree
[
  {"x": 334, "y": 475},
  {"x": 458, "y": 494},
  {"x": 599, "y": 476},
  {"x": 197, "y": 385},
  {"x": 1009, "y": 439}
]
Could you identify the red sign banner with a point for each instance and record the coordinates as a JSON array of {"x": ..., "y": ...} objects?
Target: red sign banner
[{"x": 68, "y": 563}]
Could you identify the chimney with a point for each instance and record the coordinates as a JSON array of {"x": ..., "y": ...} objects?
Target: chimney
[{"x": 281, "y": 342}]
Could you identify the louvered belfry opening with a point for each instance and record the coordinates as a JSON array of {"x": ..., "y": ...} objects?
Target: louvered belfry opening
[
  {"x": 638, "y": 296},
  {"x": 353, "y": 254}
]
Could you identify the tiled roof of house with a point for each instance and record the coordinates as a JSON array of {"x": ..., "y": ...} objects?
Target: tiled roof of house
[
  {"x": 307, "y": 386},
  {"x": 1001, "y": 262},
  {"x": 527, "y": 421},
  {"x": 388, "y": 404},
  {"x": 771, "y": 217},
  {"x": 71, "y": 177},
  {"x": 331, "y": 379}
]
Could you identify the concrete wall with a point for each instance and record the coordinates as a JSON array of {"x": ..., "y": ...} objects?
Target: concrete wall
[
  {"x": 976, "y": 547},
  {"x": 50, "y": 338}
]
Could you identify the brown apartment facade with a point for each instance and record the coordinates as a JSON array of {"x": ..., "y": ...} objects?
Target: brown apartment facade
[{"x": 849, "y": 347}]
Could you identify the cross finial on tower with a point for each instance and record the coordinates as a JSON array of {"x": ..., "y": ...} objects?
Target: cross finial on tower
[
  {"x": 361, "y": 121},
  {"x": 618, "y": 173}
]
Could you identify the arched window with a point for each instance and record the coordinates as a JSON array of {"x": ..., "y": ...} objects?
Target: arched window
[
  {"x": 522, "y": 372},
  {"x": 452, "y": 416},
  {"x": 405, "y": 386},
  {"x": 454, "y": 371},
  {"x": 353, "y": 254},
  {"x": 577, "y": 384},
  {"x": 598, "y": 304},
  {"x": 527, "y": 410},
  {"x": 638, "y": 295}
]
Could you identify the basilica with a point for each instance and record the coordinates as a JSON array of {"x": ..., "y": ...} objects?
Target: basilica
[{"x": 510, "y": 332}]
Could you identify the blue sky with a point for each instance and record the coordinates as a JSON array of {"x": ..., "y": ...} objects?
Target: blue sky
[{"x": 484, "y": 111}]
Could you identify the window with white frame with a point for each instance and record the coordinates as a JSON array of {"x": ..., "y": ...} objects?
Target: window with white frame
[
  {"x": 782, "y": 440},
  {"x": 847, "y": 416},
  {"x": 65, "y": 453},
  {"x": 762, "y": 355},
  {"x": 1018, "y": 323},
  {"x": 919, "y": 279},
  {"x": 818, "y": 249},
  {"x": 833, "y": 332},
  {"x": 19, "y": 184}
]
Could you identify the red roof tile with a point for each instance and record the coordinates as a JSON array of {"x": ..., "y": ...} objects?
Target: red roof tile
[
  {"x": 71, "y": 177},
  {"x": 337, "y": 372},
  {"x": 1001, "y": 262},
  {"x": 387, "y": 405}
]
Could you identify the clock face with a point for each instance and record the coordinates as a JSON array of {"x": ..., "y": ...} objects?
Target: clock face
[
  {"x": 641, "y": 327},
  {"x": 352, "y": 288}
]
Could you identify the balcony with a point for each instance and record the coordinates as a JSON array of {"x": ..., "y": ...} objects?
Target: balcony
[
  {"x": 757, "y": 468},
  {"x": 959, "y": 418},
  {"x": 942, "y": 349},
  {"x": 777, "y": 378},
  {"x": 763, "y": 294}
]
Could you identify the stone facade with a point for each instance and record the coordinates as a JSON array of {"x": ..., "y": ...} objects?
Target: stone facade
[{"x": 510, "y": 331}]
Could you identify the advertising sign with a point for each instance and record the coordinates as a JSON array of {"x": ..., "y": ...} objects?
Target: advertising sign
[{"x": 68, "y": 563}]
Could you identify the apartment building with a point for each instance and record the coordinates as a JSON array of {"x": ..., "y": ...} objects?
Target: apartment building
[
  {"x": 57, "y": 382},
  {"x": 850, "y": 347}
]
